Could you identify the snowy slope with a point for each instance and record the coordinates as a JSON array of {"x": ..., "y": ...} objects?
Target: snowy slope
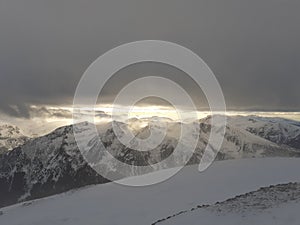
[
  {"x": 276, "y": 204},
  {"x": 44, "y": 166},
  {"x": 277, "y": 130},
  {"x": 113, "y": 204},
  {"x": 240, "y": 143}
]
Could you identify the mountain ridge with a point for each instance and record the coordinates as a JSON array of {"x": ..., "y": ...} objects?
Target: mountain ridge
[{"x": 53, "y": 163}]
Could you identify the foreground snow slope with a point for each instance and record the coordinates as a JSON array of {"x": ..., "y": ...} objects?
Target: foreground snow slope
[
  {"x": 276, "y": 204},
  {"x": 287, "y": 213},
  {"x": 112, "y": 204}
]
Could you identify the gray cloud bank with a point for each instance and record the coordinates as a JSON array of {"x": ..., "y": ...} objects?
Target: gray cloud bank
[{"x": 252, "y": 46}]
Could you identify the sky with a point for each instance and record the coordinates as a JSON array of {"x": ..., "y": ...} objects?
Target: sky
[{"x": 252, "y": 46}]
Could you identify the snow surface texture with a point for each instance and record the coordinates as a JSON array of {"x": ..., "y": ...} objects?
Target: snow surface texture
[
  {"x": 113, "y": 204},
  {"x": 277, "y": 204}
]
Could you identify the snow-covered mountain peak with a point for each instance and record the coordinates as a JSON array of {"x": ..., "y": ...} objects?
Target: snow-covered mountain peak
[
  {"x": 11, "y": 137},
  {"x": 277, "y": 130}
]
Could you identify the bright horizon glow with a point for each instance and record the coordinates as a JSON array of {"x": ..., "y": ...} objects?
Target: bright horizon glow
[
  {"x": 170, "y": 112},
  {"x": 40, "y": 124}
]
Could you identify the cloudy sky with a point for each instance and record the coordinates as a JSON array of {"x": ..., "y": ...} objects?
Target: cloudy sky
[{"x": 252, "y": 46}]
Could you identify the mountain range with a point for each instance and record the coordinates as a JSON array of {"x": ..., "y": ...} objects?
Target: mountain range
[{"x": 51, "y": 164}]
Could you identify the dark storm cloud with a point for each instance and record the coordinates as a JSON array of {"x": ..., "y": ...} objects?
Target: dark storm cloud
[
  {"x": 252, "y": 46},
  {"x": 50, "y": 112}
]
